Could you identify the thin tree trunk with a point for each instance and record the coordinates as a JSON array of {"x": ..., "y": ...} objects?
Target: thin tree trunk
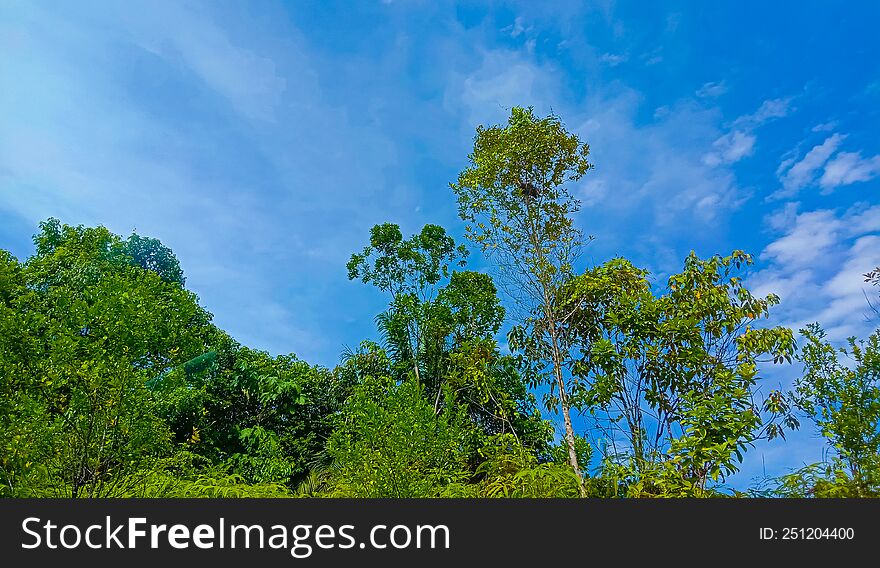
[
  {"x": 550, "y": 320},
  {"x": 437, "y": 399},
  {"x": 566, "y": 413}
]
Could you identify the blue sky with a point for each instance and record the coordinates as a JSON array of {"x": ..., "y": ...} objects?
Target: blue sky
[{"x": 261, "y": 142}]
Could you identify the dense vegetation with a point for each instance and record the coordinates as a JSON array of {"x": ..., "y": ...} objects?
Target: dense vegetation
[{"x": 115, "y": 382}]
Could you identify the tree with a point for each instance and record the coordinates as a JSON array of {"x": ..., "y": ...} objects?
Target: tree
[
  {"x": 409, "y": 270},
  {"x": 23, "y": 431},
  {"x": 109, "y": 327},
  {"x": 670, "y": 378},
  {"x": 840, "y": 391},
  {"x": 151, "y": 254},
  {"x": 264, "y": 418},
  {"x": 440, "y": 326},
  {"x": 518, "y": 209}
]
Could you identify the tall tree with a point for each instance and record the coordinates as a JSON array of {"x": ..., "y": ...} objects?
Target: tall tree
[
  {"x": 408, "y": 269},
  {"x": 109, "y": 327},
  {"x": 515, "y": 199},
  {"x": 670, "y": 377}
]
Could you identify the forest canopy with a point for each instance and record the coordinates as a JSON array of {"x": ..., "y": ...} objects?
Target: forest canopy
[{"x": 115, "y": 382}]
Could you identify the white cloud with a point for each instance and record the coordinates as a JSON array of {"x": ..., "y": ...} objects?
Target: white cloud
[
  {"x": 842, "y": 168},
  {"x": 502, "y": 80},
  {"x": 249, "y": 80},
  {"x": 769, "y": 109},
  {"x": 816, "y": 268},
  {"x": 846, "y": 309},
  {"x": 593, "y": 192},
  {"x": 730, "y": 148},
  {"x": 653, "y": 57},
  {"x": 739, "y": 142},
  {"x": 613, "y": 59},
  {"x": 810, "y": 238},
  {"x": 783, "y": 218},
  {"x": 795, "y": 175},
  {"x": 517, "y": 28},
  {"x": 658, "y": 168},
  {"x": 865, "y": 222},
  {"x": 847, "y": 168},
  {"x": 825, "y": 126},
  {"x": 712, "y": 89}
]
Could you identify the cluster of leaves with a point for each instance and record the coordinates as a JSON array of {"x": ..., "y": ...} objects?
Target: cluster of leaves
[
  {"x": 840, "y": 392},
  {"x": 673, "y": 374}
]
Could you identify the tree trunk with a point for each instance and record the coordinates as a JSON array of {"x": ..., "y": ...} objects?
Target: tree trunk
[
  {"x": 416, "y": 369},
  {"x": 566, "y": 413},
  {"x": 550, "y": 320}
]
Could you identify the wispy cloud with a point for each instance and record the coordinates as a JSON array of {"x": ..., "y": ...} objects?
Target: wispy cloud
[
  {"x": 816, "y": 268},
  {"x": 249, "y": 80},
  {"x": 614, "y": 59},
  {"x": 658, "y": 168},
  {"x": 825, "y": 126},
  {"x": 769, "y": 110},
  {"x": 820, "y": 165},
  {"x": 739, "y": 142},
  {"x": 712, "y": 89},
  {"x": 517, "y": 28},
  {"x": 847, "y": 168},
  {"x": 808, "y": 238},
  {"x": 502, "y": 79},
  {"x": 796, "y": 174},
  {"x": 653, "y": 57},
  {"x": 730, "y": 148}
]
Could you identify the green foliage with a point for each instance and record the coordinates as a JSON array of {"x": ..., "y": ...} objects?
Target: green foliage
[
  {"x": 104, "y": 327},
  {"x": 671, "y": 377},
  {"x": 262, "y": 458},
  {"x": 518, "y": 209},
  {"x": 440, "y": 326},
  {"x": 843, "y": 398},
  {"x": 151, "y": 254},
  {"x": 391, "y": 443},
  {"x": 558, "y": 453},
  {"x": 827, "y": 480},
  {"x": 514, "y": 198},
  {"x": 264, "y": 416},
  {"x": 508, "y": 470},
  {"x": 115, "y": 383},
  {"x": 22, "y": 425},
  {"x": 409, "y": 270},
  {"x": 408, "y": 266}
]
